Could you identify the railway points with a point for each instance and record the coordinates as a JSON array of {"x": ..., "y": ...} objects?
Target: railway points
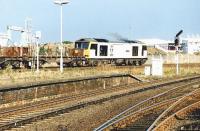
[{"x": 141, "y": 115}]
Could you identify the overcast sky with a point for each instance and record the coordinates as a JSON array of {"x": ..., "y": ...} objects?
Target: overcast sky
[{"x": 133, "y": 19}]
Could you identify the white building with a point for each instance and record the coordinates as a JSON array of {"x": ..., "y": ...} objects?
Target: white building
[
  {"x": 153, "y": 42},
  {"x": 157, "y": 43},
  {"x": 191, "y": 45}
]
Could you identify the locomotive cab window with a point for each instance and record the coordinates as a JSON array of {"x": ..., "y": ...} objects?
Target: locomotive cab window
[
  {"x": 103, "y": 50},
  {"x": 135, "y": 51},
  {"x": 81, "y": 45},
  {"x": 94, "y": 47},
  {"x": 144, "y": 48}
]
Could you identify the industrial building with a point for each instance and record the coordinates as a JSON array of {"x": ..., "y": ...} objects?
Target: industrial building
[
  {"x": 164, "y": 45},
  {"x": 191, "y": 45}
]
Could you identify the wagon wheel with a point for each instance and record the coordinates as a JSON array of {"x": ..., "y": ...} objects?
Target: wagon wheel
[{"x": 16, "y": 64}]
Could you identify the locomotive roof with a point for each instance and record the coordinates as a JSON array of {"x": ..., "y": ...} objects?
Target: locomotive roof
[
  {"x": 107, "y": 41},
  {"x": 92, "y": 40}
]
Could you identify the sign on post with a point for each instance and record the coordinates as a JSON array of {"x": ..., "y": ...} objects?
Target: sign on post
[{"x": 157, "y": 66}]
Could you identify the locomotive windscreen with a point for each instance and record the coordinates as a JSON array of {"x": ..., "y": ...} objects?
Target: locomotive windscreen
[{"x": 81, "y": 45}]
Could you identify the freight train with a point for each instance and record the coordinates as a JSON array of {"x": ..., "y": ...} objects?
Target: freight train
[{"x": 87, "y": 52}]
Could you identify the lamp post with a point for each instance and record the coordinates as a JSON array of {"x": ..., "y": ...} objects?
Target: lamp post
[{"x": 61, "y": 3}]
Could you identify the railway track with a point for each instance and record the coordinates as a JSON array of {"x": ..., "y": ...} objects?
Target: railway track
[
  {"x": 11, "y": 114},
  {"x": 142, "y": 115},
  {"x": 181, "y": 111},
  {"x": 41, "y": 110},
  {"x": 49, "y": 105}
]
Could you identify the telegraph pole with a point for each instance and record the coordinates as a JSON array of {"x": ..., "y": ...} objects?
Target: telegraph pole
[{"x": 38, "y": 37}]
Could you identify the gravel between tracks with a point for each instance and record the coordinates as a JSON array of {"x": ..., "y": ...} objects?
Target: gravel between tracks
[{"x": 90, "y": 117}]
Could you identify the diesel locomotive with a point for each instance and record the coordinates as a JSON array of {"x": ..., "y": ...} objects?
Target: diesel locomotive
[{"x": 94, "y": 52}]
